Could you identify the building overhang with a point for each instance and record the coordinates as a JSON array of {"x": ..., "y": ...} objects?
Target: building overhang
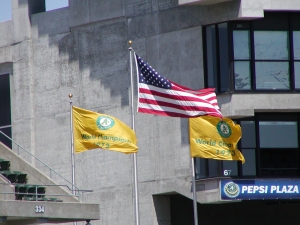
[
  {"x": 36, "y": 212},
  {"x": 247, "y": 104},
  {"x": 216, "y": 11}
]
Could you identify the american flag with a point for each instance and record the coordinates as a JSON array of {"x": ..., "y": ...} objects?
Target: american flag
[{"x": 158, "y": 95}]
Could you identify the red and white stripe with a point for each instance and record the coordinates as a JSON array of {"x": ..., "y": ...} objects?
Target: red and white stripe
[{"x": 178, "y": 101}]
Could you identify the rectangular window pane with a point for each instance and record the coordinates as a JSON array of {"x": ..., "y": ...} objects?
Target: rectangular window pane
[
  {"x": 242, "y": 75},
  {"x": 271, "y": 45},
  {"x": 224, "y": 61},
  {"x": 230, "y": 168},
  {"x": 213, "y": 168},
  {"x": 249, "y": 167},
  {"x": 278, "y": 134},
  {"x": 279, "y": 162},
  {"x": 5, "y": 117},
  {"x": 199, "y": 167},
  {"x": 296, "y": 44},
  {"x": 241, "y": 44},
  {"x": 211, "y": 56},
  {"x": 297, "y": 74},
  {"x": 272, "y": 75},
  {"x": 248, "y": 139}
]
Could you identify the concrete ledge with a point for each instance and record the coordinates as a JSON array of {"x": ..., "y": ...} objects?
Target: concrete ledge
[
  {"x": 62, "y": 212},
  {"x": 238, "y": 105},
  {"x": 201, "y": 2}
]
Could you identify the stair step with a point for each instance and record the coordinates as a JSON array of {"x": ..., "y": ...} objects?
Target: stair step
[
  {"x": 26, "y": 198},
  {"x": 52, "y": 200}
]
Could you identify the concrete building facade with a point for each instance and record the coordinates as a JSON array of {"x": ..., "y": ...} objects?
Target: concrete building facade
[{"x": 83, "y": 49}]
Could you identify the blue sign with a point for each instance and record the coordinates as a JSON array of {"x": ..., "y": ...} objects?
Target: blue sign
[{"x": 259, "y": 189}]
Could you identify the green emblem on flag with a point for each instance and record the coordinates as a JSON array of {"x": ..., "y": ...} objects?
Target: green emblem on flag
[
  {"x": 224, "y": 129},
  {"x": 105, "y": 122}
]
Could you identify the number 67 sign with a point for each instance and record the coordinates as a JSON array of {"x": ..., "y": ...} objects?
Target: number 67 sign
[{"x": 227, "y": 172}]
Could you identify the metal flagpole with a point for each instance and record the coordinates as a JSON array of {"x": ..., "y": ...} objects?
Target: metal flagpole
[
  {"x": 136, "y": 196},
  {"x": 72, "y": 146},
  {"x": 194, "y": 194}
]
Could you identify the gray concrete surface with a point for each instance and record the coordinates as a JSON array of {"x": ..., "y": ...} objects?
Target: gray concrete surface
[
  {"x": 22, "y": 212},
  {"x": 82, "y": 49}
]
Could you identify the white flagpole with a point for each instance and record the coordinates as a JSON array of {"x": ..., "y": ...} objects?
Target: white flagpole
[
  {"x": 136, "y": 195},
  {"x": 194, "y": 193},
  {"x": 72, "y": 146}
]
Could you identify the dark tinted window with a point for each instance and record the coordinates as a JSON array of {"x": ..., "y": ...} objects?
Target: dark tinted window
[
  {"x": 4, "y": 100},
  {"x": 5, "y": 112}
]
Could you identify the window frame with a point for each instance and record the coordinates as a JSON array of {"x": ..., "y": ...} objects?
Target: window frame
[
  {"x": 277, "y": 117},
  {"x": 289, "y": 25}
]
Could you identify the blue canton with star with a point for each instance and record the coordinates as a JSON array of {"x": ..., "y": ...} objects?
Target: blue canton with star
[{"x": 149, "y": 76}]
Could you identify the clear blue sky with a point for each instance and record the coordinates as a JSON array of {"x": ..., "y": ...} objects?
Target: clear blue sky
[{"x": 5, "y": 8}]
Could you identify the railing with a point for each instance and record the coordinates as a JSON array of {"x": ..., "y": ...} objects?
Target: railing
[{"x": 51, "y": 171}]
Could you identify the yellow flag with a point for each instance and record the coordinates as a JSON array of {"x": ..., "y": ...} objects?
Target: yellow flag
[
  {"x": 93, "y": 130},
  {"x": 211, "y": 137}
]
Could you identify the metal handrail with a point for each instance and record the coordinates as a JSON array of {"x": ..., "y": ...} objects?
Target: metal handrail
[{"x": 51, "y": 170}]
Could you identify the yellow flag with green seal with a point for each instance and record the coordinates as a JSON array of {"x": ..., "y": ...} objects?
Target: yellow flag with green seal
[
  {"x": 93, "y": 130},
  {"x": 214, "y": 138}
]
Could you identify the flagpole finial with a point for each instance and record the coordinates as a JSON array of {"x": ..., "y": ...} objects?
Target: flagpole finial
[
  {"x": 70, "y": 95},
  {"x": 130, "y": 42}
]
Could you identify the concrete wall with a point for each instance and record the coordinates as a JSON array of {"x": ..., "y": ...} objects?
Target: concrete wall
[
  {"x": 7, "y": 190},
  {"x": 83, "y": 50}
]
